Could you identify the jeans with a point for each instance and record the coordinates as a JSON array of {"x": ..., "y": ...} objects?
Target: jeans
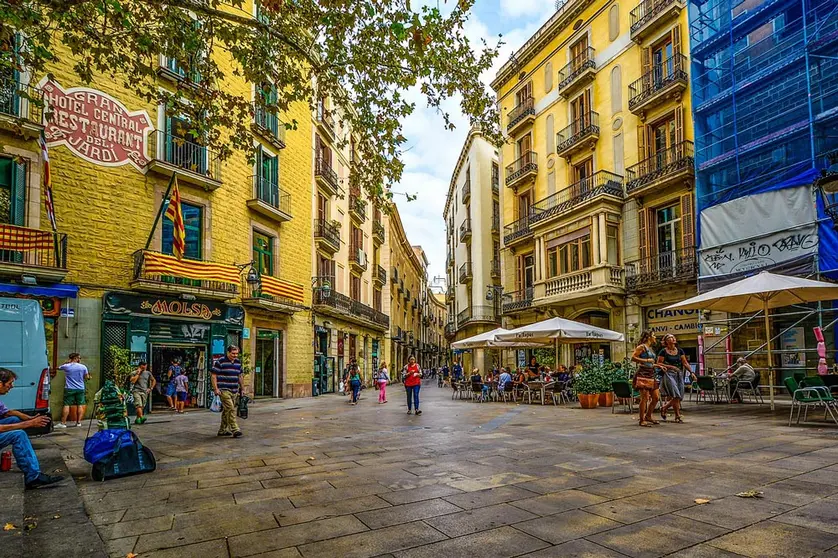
[
  {"x": 228, "y": 412},
  {"x": 21, "y": 448},
  {"x": 415, "y": 391},
  {"x": 382, "y": 391},
  {"x": 356, "y": 390}
]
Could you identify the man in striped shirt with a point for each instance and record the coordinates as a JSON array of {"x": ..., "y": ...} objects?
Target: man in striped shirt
[{"x": 227, "y": 383}]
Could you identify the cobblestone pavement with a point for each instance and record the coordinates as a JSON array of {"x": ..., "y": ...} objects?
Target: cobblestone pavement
[{"x": 320, "y": 478}]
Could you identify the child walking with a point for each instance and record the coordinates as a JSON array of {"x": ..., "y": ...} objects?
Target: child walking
[
  {"x": 181, "y": 390},
  {"x": 383, "y": 378}
]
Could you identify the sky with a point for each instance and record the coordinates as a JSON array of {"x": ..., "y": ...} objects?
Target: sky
[{"x": 432, "y": 151}]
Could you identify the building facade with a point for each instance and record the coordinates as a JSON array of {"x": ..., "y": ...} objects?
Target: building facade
[
  {"x": 349, "y": 251},
  {"x": 107, "y": 280},
  {"x": 597, "y": 201},
  {"x": 764, "y": 84},
  {"x": 472, "y": 217}
]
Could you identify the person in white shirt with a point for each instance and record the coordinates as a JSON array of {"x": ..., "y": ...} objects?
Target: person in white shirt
[
  {"x": 383, "y": 378},
  {"x": 75, "y": 394}
]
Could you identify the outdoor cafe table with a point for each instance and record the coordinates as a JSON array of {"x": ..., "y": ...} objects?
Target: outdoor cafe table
[{"x": 538, "y": 385}]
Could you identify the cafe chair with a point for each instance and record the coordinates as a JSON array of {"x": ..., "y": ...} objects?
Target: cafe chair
[
  {"x": 509, "y": 392},
  {"x": 624, "y": 394},
  {"x": 803, "y": 398}
]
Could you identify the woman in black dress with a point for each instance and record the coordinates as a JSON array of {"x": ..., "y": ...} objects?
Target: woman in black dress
[{"x": 674, "y": 362}]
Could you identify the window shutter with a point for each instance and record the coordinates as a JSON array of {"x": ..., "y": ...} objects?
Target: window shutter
[
  {"x": 646, "y": 59},
  {"x": 676, "y": 39},
  {"x": 641, "y": 143},
  {"x": 18, "y": 206},
  {"x": 679, "y": 124},
  {"x": 642, "y": 238},
  {"x": 687, "y": 221}
]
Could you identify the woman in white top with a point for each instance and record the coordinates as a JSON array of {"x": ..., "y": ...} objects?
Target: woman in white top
[{"x": 383, "y": 378}]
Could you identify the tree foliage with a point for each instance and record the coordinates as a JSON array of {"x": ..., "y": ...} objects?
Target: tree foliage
[{"x": 363, "y": 54}]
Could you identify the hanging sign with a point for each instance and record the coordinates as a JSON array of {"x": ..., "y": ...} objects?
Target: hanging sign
[
  {"x": 95, "y": 126},
  {"x": 170, "y": 307}
]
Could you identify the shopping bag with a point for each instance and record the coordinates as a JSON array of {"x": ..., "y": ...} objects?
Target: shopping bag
[{"x": 216, "y": 404}]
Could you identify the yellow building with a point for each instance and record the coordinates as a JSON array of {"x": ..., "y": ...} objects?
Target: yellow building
[
  {"x": 598, "y": 169},
  {"x": 434, "y": 320},
  {"x": 112, "y": 155}
]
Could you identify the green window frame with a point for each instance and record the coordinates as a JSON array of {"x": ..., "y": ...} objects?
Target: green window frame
[{"x": 263, "y": 253}]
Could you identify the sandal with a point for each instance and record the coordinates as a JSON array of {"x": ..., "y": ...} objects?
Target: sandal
[
  {"x": 679, "y": 420},
  {"x": 646, "y": 424},
  {"x": 652, "y": 421}
]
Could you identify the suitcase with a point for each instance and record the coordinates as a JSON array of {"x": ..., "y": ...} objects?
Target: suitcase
[{"x": 129, "y": 459}]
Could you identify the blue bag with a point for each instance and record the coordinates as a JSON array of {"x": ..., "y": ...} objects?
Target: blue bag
[{"x": 105, "y": 443}]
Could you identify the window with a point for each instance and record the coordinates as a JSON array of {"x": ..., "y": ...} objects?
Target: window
[
  {"x": 579, "y": 109},
  {"x": 579, "y": 53},
  {"x": 267, "y": 172},
  {"x": 193, "y": 224},
  {"x": 583, "y": 170},
  {"x": 12, "y": 192},
  {"x": 524, "y": 94},
  {"x": 570, "y": 256},
  {"x": 524, "y": 145},
  {"x": 263, "y": 253},
  {"x": 355, "y": 287},
  {"x": 612, "y": 244},
  {"x": 669, "y": 228},
  {"x": 181, "y": 148},
  {"x": 326, "y": 268},
  {"x": 266, "y": 97},
  {"x": 322, "y": 152},
  {"x": 376, "y": 300},
  {"x": 495, "y": 176},
  {"x": 322, "y": 207}
]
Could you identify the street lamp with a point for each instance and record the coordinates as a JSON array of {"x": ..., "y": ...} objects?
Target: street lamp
[
  {"x": 254, "y": 282},
  {"x": 324, "y": 288}
]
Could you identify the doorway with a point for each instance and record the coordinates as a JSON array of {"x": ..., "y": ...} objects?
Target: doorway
[
  {"x": 267, "y": 365},
  {"x": 193, "y": 360}
]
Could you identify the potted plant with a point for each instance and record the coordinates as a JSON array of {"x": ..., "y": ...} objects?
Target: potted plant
[{"x": 587, "y": 388}]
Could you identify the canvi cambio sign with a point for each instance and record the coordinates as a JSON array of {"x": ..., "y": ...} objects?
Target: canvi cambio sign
[{"x": 95, "y": 126}]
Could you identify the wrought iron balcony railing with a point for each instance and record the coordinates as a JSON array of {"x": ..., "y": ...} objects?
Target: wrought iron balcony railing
[
  {"x": 465, "y": 272},
  {"x": 659, "y": 166},
  {"x": 323, "y": 170},
  {"x": 271, "y": 194},
  {"x": 646, "y": 11},
  {"x": 525, "y": 108},
  {"x": 661, "y": 76},
  {"x": 584, "y": 127},
  {"x": 348, "y": 306},
  {"x": 268, "y": 124},
  {"x": 517, "y": 300},
  {"x": 465, "y": 229},
  {"x": 21, "y": 101},
  {"x": 516, "y": 229},
  {"x": 600, "y": 183},
  {"x": 576, "y": 67},
  {"x": 664, "y": 267},
  {"x": 187, "y": 155},
  {"x": 526, "y": 163},
  {"x": 328, "y": 232},
  {"x": 35, "y": 250}
]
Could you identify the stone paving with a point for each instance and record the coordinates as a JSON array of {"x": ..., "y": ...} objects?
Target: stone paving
[{"x": 317, "y": 478}]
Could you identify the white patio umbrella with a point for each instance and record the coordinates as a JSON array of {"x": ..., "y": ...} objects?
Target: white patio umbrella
[
  {"x": 763, "y": 291},
  {"x": 559, "y": 330},
  {"x": 487, "y": 340}
]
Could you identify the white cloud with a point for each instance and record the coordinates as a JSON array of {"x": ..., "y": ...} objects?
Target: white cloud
[{"x": 521, "y": 8}]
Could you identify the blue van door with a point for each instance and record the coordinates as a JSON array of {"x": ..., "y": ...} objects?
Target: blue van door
[{"x": 24, "y": 350}]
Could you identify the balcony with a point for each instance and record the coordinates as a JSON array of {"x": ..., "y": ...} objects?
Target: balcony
[
  {"x": 516, "y": 231},
  {"x": 482, "y": 314},
  {"x": 663, "y": 82},
  {"x": 651, "y": 15},
  {"x": 380, "y": 276},
  {"x": 156, "y": 272},
  {"x": 325, "y": 176},
  {"x": 450, "y": 293},
  {"x": 592, "y": 281},
  {"x": 327, "y": 235},
  {"x": 21, "y": 108},
  {"x": 465, "y": 272},
  {"x": 602, "y": 185},
  {"x": 326, "y": 122},
  {"x": 495, "y": 223},
  {"x": 394, "y": 277},
  {"x": 398, "y": 335},
  {"x": 522, "y": 170},
  {"x": 32, "y": 252},
  {"x": 673, "y": 165},
  {"x": 517, "y": 301},
  {"x": 520, "y": 116},
  {"x": 450, "y": 330},
  {"x": 267, "y": 125},
  {"x": 466, "y": 193},
  {"x": 495, "y": 183},
  {"x": 193, "y": 162},
  {"x": 495, "y": 268},
  {"x": 465, "y": 230},
  {"x": 357, "y": 208},
  {"x": 357, "y": 259},
  {"x": 270, "y": 200},
  {"x": 580, "y": 71},
  {"x": 275, "y": 295},
  {"x": 662, "y": 269},
  {"x": 582, "y": 134},
  {"x": 378, "y": 231},
  {"x": 341, "y": 306}
]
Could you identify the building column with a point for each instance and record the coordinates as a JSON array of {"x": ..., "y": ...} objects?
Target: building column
[
  {"x": 595, "y": 253},
  {"x": 603, "y": 239}
]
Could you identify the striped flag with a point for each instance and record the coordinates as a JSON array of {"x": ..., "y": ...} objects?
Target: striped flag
[
  {"x": 175, "y": 214},
  {"x": 47, "y": 183}
]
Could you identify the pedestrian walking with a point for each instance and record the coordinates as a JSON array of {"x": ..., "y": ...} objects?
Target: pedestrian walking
[
  {"x": 12, "y": 426},
  {"x": 75, "y": 396},
  {"x": 674, "y": 363},
  {"x": 383, "y": 378},
  {"x": 227, "y": 383},
  {"x": 142, "y": 382},
  {"x": 181, "y": 390},
  {"x": 645, "y": 380},
  {"x": 171, "y": 374},
  {"x": 355, "y": 384},
  {"x": 412, "y": 383}
]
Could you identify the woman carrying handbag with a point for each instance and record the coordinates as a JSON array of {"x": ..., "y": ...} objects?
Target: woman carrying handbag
[{"x": 645, "y": 379}]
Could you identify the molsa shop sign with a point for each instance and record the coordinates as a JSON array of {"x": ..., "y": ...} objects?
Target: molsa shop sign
[{"x": 95, "y": 126}]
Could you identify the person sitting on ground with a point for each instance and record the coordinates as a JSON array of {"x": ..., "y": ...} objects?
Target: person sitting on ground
[
  {"x": 743, "y": 373},
  {"x": 12, "y": 426}
]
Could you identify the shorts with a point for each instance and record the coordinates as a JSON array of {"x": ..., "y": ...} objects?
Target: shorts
[
  {"x": 182, "y": 396},
  {"x": 170, "y": 389},
  {"x": 73, "y": 397},
  {"x": 140, "y": 399}
]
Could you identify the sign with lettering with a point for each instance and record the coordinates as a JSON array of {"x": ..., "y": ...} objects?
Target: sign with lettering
[
  {"x": 95, "y": 126},
  {"x": 662, "y": 321},
  {"x": 170, "y": 307}
]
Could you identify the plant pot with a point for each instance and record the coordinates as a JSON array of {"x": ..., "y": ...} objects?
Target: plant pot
[
  {"x": 588, "y": 400},
  {"x": 606, "y": 399}
]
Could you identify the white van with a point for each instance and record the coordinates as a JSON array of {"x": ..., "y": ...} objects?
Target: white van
[{"x": 23, "y": 350}]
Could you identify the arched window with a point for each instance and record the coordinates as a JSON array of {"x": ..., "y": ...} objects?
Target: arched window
[
  {"x": 548, "y": 77},
  {"x": 551, "y": 136},
  {"x": 616, "y": 90},
  {"x": 614, "y": 23}
]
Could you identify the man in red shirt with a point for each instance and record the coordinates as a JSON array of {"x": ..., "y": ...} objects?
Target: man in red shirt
[{"x": 412, "y": 383}]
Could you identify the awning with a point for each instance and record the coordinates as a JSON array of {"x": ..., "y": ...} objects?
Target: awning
[{"x": 61, "y": 290}]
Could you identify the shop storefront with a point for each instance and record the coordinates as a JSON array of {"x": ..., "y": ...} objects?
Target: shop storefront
[{"x": 160, "y": 329}]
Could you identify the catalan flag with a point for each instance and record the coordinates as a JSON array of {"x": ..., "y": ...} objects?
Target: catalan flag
[{"x": 175, "y": 214}]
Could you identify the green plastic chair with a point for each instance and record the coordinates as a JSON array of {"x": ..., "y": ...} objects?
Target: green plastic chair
[
  {"x": 812, "y": 381},
  {"x": 623, "y": 392},
  {"x": 813, "y": 396},
  {"x": 799, "y": 376}
]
